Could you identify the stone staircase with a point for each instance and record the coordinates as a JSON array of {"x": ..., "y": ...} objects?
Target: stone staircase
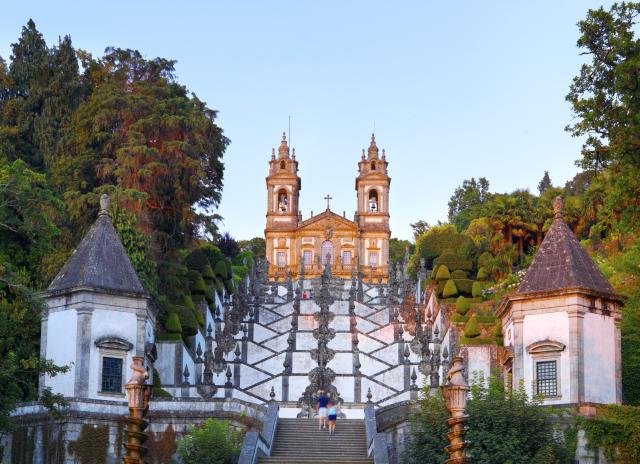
[{"x": 300, "y": 441}]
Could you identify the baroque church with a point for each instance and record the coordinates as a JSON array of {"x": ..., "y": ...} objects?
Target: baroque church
[
  {"x": 306, "y": 246},
  {"x": 326, "y": 312}
]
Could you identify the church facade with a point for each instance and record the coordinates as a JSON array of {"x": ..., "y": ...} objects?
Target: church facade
[{"x": 305, "y": 247}]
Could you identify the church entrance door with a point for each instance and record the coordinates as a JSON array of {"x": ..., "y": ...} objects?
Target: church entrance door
[{"x": 327, "y": 252}]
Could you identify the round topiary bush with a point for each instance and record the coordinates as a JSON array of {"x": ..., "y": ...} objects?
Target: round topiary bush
[
  {"x": 229, "y": 286},
  {"x": 458, "y": 274},
  {"x": 452, "y": 260},
  {"x": 482, "y": 274},
  {"x": 450, "y": 290},
  {"x": 196, "y": 283},
  {"x": 188, "y": 302},
  {"x": 197, "y": 260},
  {"x": 434, "y": 273},
  {"x": 476, "y": 290},
  {"x": 443, "y": 273},
  {"x": 472, "y": 328},
  {"x": 208, "y": 275},
  {"x": 462, "y": 305},
  {"x": 173, "y": 323},
  {"x": 187, "y": 320}
]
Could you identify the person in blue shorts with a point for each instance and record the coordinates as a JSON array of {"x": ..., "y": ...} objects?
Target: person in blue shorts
[
  {"x": 332, "y": 415},
  {"x": 323, "y": 402}
]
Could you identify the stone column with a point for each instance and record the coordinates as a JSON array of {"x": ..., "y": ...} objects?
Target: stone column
[
  {"x": 618, "y": 354},
  {"x": 576, "y": 355},
  {"x": 44, "y": 324},
  {"x": 141, "y": 329},
  {"x": 83, "y": 351},
  {"x": 518, "y": 348}
]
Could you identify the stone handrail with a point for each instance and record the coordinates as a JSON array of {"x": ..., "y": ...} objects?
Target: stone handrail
[
  {"x": 256, "y": 444},
  {"x": 376, "y": 441}
]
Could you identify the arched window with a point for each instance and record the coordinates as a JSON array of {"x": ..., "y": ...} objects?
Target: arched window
[
  {"x": 327, "y": 252},
  {"x": 283, "y": 165},
  {"x": 373, "y": 200},
  {"x": 373, "y": 165},
  {"x": 283, "y": 201}
]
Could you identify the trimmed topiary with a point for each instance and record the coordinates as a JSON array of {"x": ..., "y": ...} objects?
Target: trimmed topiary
[
  {"x": 187, "y": 320},
  {"x": 219, "y": 287},
  {"x": 484, "y": 259},
  {"x": 450, "y": 289},
  {"x": 209, "y": 296},
  {"x": 497, "y": 334},
  {"x": 453, "y": 261},
  {"x": 188, "y": 302},
  {"x": 464, "y": 285},
  {"x": 197, "y": 260},
  {"x": 229, "y": 286},
  {"x": 443, "y": 273},
  {"x": 462, "y": 305},
  {"x": 476, "y": 290},
  {"x": 208, "y": 275},
  {"x": 472, "y": 328},
  {"x": 458, "y": 274},
  {"x": 196, "y": 283},
  {"x": 434, "y": 272},
  {"x": 173, "y": 323},
  {"x": 220, "y": 270},
  {"x": 482, "y": 274}
]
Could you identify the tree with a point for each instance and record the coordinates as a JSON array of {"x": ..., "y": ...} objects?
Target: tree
[
  {"x": 256, "y": 245},
  {"x": 419, "y": 228},
  {"x": 504, "y": 427},
  {"x": 228, "y": 245},
  {"x": 216, "y": 442},
  {"x": 604, "y": 96},
  {"x": 398, "y": 248},
  {"x": 464, "y": 205},
  {"x": 545, "y": 183}
]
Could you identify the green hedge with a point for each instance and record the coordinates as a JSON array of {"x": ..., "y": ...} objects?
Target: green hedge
[
  {"x": 197, "y": 260},
  {"x": 482, "y": 274},
  {"x": 472, "y": 328},
  {"x": 196, "y": 283},
  {"x": 443, "y": 274},
  {"x": 476, "y": 290},
  {"x": 221, "y": 270},
  {"x": 477, "y": 341},
  {"x": 464, "y": 285},
  {"x": 453, "y": 261},
  {"x": 459, "y": 318},
  {"x": 462, "y": 305},
  {"x": 187, "y": 320},
  {"x": 166, "y": 337},
  {"x": 459, "y": 274},
  {"x": 173, "y": 324},
  {"x": 449, "y": 289},
  {"x": 208, "y": 275}
]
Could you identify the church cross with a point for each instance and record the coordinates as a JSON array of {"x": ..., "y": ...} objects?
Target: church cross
[{"x": 328, "y": 197}]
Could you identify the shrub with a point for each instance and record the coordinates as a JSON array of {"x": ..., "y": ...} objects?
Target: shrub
[
  {"x": 482, "y": 274},
  {"x": 462, "y": 305},
  {"x": 443, "y": 273},
  {"x": 214, "y": 442},
  {"x": 166, "y": 337},
  {"x": 472, "y": 328},
  {"x": 188, "y": 320},
  {"x": 221, "y": 269},
  {"x": 484, "y": 259},
  {"x": 453, "y": 260},
  {"x": 208, "y": 275},
  {"x": 197, "y": 260},
  {"x": 229, "y": 286},
  {"x": 173, "y": 323},
  {"x": 188, "y": 302},
  {"x": 464, "y": 285},
  {"x": 158, "y": 391},
  {"x": 458, "y": 274},
  {"x": 476, "y": 290},
  {"x": 449, "y": 289}
]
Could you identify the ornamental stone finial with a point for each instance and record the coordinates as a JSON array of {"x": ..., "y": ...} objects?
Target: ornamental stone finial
[
  {"x": 105, "y": 202},
  {"x": 558, "y": 205}
]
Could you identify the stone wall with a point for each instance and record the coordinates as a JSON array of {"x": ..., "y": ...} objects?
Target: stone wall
[{"x": 92, "y": 431}]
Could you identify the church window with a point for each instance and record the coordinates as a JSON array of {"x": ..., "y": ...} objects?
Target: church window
[
  {"x": 327, "y": 252},
  {"x": 373, "y": 259},
  {"x": 111, "y": 375},
  {"x": 373, "y": 165},
  {"x": 307, "y": 257},
  {"x": 282, "y": 259},
  {"x": 373, "y": 200},
  {"x": 346, "y": 258},
  {"x": 283, "y": 201},
  {"x": 283, "y": 165},
  {"x": 547, "y": 378}
]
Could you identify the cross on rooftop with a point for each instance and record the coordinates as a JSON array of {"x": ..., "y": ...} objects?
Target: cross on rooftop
[{"x": 328, "y": 198}]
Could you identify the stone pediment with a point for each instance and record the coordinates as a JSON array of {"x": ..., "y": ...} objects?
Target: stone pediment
[{"x": 328, "y": 219}]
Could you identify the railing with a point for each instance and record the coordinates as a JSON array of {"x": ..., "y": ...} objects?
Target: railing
[
  {"x": 339, "y": 269},
  {"x": 256, "y": 444},
  {"x": 376, "y": 441}
]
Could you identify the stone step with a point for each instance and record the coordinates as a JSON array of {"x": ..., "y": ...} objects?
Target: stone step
[{"x": 297, "y": 460}]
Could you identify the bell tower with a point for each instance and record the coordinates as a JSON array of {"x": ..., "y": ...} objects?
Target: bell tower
[
  {"x": 283, "y": 193},
  {"x": 372, "y": 217}
]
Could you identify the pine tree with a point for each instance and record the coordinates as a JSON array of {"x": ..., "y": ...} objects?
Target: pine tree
[{"x": 545, "y": 183}]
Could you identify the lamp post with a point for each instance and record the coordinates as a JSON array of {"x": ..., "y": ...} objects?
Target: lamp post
[
  {"x": 455, "y": 397},
  {"x": 138, "y": 392}
]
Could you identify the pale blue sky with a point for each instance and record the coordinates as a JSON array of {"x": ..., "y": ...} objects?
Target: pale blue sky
[{"x": 456, "y": 89}]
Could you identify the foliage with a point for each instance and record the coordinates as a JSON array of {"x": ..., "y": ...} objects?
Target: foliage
[
  {"x": 228, "y": 245},
  {"x": 465, "y": 199},
  {"x": 449, "y": 289},
  {"x": 215, "y": 442},
  {"x": 462, "y": 305},
  {"x": 257, "y": 246},
  {"x": 173, "y": 323},
  {"x": 398, "y": 248},
  {"x": 482, "y": 274},
  {"x": 436, "y": 240},
  {"x": 419, "y": 228},
  {"x": 443, "y": 273},
  {"x": 504, "y": 427},
  {"x": 476, "y": 290},
  {"x": 616, "y": 429},
  {"x": 545, "y": 183},
  {"x": 458, "y": 274},
  {"x": 471, "y": 328}
]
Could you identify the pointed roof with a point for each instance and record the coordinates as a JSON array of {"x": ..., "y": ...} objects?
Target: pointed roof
[
  {"x": 100, "y": 261},
  {"x": 372, "y": 152},
  {"x": 562, "y": 263},
  {"x": 283, "y": 150}
]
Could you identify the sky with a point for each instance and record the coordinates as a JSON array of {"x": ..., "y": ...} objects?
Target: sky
[{"x": 454, "y": 90}]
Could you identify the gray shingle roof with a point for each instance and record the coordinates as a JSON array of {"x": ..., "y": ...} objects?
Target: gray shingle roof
[
  {"x": 562, "y": 263},
  {"x": 100, "y": 261}
]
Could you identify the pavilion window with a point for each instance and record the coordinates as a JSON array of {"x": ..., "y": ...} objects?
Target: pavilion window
[
  {"x": 547, "y": 378},
  {"x": 111, "y": 374}
]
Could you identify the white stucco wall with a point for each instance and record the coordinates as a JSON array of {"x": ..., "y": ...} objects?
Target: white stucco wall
[
  {"x": 104, "y": 323},
  {"x": 599, "y": 359},
  {"x": 550, "y": 326},
  {"x": 61, "y": 349}
]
